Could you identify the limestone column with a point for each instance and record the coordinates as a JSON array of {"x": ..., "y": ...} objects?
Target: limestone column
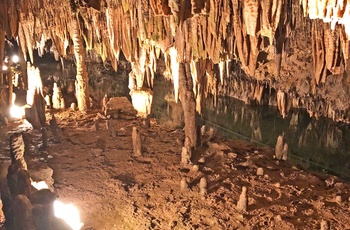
[
  {"x": 188, "y": 102},
  {"x": 82, "y": 92}
]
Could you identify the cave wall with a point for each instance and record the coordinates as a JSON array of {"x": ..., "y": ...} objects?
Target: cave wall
[{"x": 294, "y": 47}]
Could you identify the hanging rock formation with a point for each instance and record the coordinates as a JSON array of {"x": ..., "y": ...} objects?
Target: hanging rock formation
[{"x": 268, "y": 40}]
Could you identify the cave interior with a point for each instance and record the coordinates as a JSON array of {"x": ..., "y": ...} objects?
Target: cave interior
[{"x": 128, "y": 109}]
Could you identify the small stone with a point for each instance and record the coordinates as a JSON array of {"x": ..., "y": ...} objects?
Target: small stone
[
  {"x": 195, "y": 168},
  {"x": 73, "y": 106},
  {"x": 277, "y": 185},
  {"x": 338, "y": 199},
  {"x": 260, "y": 171},
  {"x": 232, "y": 155},
  {"x": 278, "y": 217},
  {"x": 201, "y": 160},
  {"x": 184, "y": 184},
  {"x": 49, "y": 156},
  {"x": 324, "y": 225}
]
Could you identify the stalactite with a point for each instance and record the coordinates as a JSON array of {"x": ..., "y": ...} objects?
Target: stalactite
[
  {"x": 174, "y": 71},
  {"x": 318, "y": 52},
  {"x": 216, "y": 32},
  {"x": 250, "y": 15},
  {"x": 2, "y": 47}
]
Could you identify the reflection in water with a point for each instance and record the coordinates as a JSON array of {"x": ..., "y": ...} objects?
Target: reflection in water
[
  {"x": 314, "y": 144},
  {"x": 319, "y": 145}
]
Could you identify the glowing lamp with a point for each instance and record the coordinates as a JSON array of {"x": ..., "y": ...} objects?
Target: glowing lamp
[{"x": 15, "y": 59}]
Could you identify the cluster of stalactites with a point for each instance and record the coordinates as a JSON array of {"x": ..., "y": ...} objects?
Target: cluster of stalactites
[
  {"x": 330, "y": 11},
  {"x": 207, "y": 34}
]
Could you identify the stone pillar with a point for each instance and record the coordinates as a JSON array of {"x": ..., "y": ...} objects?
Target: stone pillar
[
  {"x": 188, "y": 102},
  {"x": 82, "y": 91}
]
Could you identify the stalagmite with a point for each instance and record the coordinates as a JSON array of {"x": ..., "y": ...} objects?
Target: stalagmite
[
  {"x": 36, "y": 114},
  {"x": 279, "y": 148},
  {"x": 260, "y": 171},
  {"x": 324, "y": 225},
  {"x": 188, "y": 102},
  {"x": 23, "y": 183},
  {"x": 104, "y": 104},
  {"x": 57, "y": 97},
  {"x": 185, "y": 156},
  {"x": 82, "y": 76},
  {"x": 44, "y": 137},
  {"x": 184, "y": 184},
  {"x": 203, "y": 186},
  {"x": 97, "y": 125},
  {"x": 282, "y": 103},
  {"x": 242, "y": 203},
  {"x": 73, "y": 106},
  {"x": 56, "y": 131},
  {"x": 110, "y": 128},
  {"x": 146, "y": 122},
  {"x": 285, "y": 152},
  {"x": 17, "y": 150},
  {"x": 22, "y": 209},
  {"x": 136, "y": 142}
]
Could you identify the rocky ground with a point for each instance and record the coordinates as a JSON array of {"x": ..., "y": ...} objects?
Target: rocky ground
[{"x": 95, "y": 169}]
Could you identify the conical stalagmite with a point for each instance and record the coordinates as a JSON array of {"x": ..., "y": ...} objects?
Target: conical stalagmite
[
  {"x": 136, "y": 142},
  {"x": 242, "y": 203}
]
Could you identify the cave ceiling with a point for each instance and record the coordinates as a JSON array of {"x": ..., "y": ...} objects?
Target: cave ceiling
[{"x": 259, "y": 35}]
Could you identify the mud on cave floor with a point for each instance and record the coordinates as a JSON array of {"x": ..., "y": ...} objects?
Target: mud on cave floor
[{"x": 114, "y": 190}]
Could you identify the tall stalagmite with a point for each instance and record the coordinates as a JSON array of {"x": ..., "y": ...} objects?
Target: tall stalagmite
[
  {"x": 188, "y": 102},
  {"x": 82, "y": 92}
]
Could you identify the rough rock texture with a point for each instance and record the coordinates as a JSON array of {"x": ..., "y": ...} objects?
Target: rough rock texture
[{"x": 269, "y": 40}]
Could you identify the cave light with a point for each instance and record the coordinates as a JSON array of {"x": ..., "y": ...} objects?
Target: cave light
[
  {"x": 5, "y": 68},
  {"x": 39, "y": 185},
  {"x": 67, "y": 212},
  {"x": 16, "y": 111},
  {"x": 34, "y": 83},
  {"x": 15, "y": 59}
]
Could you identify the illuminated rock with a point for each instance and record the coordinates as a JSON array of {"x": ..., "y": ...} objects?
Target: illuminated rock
[{"x": 142, "y": 101}]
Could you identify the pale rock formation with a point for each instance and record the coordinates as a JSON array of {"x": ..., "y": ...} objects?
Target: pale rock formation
[{"x": 242, "y": 203}]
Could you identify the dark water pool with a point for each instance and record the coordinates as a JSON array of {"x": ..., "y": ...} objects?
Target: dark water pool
[{"x": 319, "y": 145}]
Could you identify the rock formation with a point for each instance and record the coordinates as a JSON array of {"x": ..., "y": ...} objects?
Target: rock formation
[{"x": 201, "y": 40}]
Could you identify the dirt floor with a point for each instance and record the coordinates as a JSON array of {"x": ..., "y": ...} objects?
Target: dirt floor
[{"x": 114, "y": 190}]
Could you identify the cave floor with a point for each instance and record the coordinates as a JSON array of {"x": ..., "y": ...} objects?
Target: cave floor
[{"x": 114, "y": 190}]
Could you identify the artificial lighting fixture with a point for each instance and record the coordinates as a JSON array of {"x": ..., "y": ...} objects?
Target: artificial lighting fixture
[
  {"x": 15, "y": 59},
  {"x": 4, "y": 67},
  {"x": 67, "y": 212}
]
